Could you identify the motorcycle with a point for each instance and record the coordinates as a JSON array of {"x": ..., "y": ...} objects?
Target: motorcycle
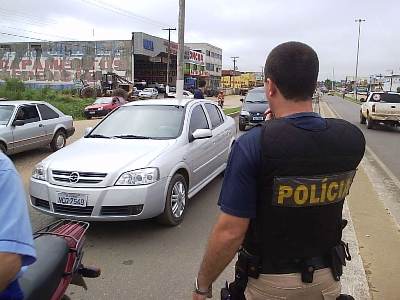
[{"x": 59, "y": 248}]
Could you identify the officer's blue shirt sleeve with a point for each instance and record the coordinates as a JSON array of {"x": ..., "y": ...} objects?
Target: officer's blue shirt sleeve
[
  {"x": 15, "y": 227},
  {"x": 239, "y": 190}
]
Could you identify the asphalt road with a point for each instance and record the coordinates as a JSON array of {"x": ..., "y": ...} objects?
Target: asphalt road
[
  {"x": 384, "y": 141},
  {"x": 141, "y": 259}
]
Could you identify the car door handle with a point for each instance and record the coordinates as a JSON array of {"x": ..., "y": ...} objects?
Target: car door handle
[{"x": 41, "y": 125}]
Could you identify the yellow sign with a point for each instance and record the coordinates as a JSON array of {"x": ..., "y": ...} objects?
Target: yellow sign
[{"x": 311, "y": 191}]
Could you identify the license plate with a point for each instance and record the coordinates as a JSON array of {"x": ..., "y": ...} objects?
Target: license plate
[
  {"x": 72, "y": 199},
  {"x": 92, "y": 112},
  {"x": 258, "y": 118}
]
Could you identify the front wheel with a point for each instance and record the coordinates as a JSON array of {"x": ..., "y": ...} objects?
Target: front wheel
[
  {"x": 242, "y": 127},
  {"x": 362, "y": 118},
  {"x": 175, "y": 203},
  {"x": 59, "y": 141}
]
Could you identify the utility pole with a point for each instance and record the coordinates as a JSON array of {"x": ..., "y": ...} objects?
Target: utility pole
[
  {"x": 333, "y": 77},
  {"x": 391, "y": 80},
  {"x": 181, "y": 50},
  {"x": 234, "y": 71},
  {"x": 358, "y": 50},
  {"x": 169, "y": 55},
  {"x": 133, "y": 59}
]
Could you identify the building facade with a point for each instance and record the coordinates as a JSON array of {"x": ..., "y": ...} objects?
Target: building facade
[
  {"x": 213, "y": 63},
  {"x": 66, "y": 61}
]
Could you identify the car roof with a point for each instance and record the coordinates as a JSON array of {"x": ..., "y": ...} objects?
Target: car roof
[
  {"x": 169, "y": 101},
  {"x": 20, "y": 102},
  {"x": 380, "y": 92},
  {"x": 257, "y": 89}
]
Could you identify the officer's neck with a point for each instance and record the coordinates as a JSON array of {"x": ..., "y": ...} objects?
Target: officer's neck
[{"x": 289, "y": 107}]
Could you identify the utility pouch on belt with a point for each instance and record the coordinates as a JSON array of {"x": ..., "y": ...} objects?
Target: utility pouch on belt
[
  {"x": 339, "y": 255},
  {"x": 246, "y": 265}
]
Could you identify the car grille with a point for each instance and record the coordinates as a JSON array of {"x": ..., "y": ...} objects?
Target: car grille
[
  {"x": 41, "y": 203},
  {"x": 130, "y": 210},
  {"x": 73, "y": 210},
  {"x": 84, "y": 177}
]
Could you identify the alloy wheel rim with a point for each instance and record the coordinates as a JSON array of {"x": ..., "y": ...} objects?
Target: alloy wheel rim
[
  {"x": 60, "y": 142},
  {"x": 178, "y": 199}
]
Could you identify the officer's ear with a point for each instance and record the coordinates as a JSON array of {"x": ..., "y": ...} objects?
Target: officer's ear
[{"x": 270, "y": 88}]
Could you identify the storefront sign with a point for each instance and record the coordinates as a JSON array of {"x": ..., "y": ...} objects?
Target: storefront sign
[
  {"x": 196, "y": 57},
  {"x": 148, "y": 45}
]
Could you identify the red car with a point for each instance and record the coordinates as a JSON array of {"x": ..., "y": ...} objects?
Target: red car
[{"x": 102, "y": 106}]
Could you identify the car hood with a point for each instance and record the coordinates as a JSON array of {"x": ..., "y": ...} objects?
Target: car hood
[
  {"x": 255, "y": 107},
  {"x": 107, "y": 155}
]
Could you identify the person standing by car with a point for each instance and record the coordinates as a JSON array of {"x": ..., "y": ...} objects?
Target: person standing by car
[
  {"x": 282, "y": 179},
  {"x": 199, "y": 92},
  {"x": 221, "y": 99},
  {"x": 16, "y": 241}
]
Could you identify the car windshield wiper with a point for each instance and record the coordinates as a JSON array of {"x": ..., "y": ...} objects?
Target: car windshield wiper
[
  {"x": 99, "y": 136},
  {"x": 132, "y": 136},
  {"x": 250, "y": 101}
]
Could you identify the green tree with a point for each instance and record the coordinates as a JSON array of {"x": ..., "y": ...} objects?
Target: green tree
[{"x": 328, "y": 84}]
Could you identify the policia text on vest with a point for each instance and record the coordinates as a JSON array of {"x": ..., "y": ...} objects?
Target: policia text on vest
[{"x": 311, "y": 191}]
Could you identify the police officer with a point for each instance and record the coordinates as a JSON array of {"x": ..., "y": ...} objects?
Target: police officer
[{"x": 283, "y": 193}]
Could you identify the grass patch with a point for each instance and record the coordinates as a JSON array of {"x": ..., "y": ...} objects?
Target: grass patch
[
  {"x": 349, "y": 98},
  {"x": 232, "y": 110},
  {"x": 65, "y": 100}
]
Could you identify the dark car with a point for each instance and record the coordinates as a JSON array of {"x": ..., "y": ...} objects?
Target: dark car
[
  {"x": 102, "y": 106},
  {"x": 253, "y": 108}
]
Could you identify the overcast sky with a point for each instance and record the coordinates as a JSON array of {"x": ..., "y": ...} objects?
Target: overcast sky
[{"x": 245, "y": 28}]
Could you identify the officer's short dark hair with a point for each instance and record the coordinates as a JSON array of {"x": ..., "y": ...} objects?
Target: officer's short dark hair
[
  {"x": 202, "y": 83},
  {"x": 293, "y": 67}
]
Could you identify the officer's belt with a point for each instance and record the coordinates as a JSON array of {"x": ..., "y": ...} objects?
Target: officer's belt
[{"x": 294, "y": 265}]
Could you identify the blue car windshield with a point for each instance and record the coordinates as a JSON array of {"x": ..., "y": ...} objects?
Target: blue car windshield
[{"x": 6, "y": 113}]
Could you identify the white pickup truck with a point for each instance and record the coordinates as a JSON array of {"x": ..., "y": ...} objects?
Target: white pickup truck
[{"x": 380, "y": 107}]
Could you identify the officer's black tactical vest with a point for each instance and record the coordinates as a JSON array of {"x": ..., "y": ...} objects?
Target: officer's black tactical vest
[{"x": 304, "y": 180}]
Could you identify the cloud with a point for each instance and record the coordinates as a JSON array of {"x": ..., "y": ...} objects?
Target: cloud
[{"x": 248, "y": 29}]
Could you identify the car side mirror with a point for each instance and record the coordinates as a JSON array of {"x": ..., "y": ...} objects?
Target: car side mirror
[
  {"x": 363, "y": 100},
  {"x": 88, "y": 130},
  {"x": 241, "y": 100},
  {"x": 199, "y": 134},
  {"x": 18, "y": 123}
]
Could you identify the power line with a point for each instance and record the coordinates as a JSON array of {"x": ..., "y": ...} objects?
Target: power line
[
  {"x": 109, "y": 8},
  {"x": 23, "y": 36},
  {"x": 41, "y": 33}
]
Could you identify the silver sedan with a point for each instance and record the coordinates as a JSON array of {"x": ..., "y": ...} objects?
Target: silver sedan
[
  {"x": 25, "y": 125},
  {"x": 145, "y": 159}
]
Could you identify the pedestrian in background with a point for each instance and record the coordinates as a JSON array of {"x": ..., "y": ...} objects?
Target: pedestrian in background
[
  {"x": 283, "y": 194},
  {"x": 199, "y": 92},
  {"x": 221, "y": 99}
]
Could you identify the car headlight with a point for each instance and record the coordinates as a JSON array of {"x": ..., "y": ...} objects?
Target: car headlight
[
  {"x": 244, "y": 113},
  {"x": 139, "y": 177},
  {"x": 100, "y": 108},
  {"x": 39, "y": 172}
]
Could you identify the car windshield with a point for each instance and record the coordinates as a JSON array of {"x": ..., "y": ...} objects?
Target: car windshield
[
  {"x": 5, "y": 113},
  {"x": 105, "y": 100},
  {"x": 256, "y": 96},
  {"x": 142, "y": 121}
]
